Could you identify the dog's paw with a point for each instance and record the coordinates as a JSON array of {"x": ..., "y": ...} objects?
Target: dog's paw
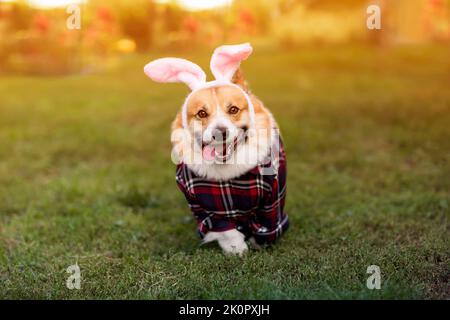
[
  {"x": 231, "y": 241},
  {"x": 234, "y": 247}
]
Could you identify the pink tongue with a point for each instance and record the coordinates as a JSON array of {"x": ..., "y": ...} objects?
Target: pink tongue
[{"x": 209, "y": 153}]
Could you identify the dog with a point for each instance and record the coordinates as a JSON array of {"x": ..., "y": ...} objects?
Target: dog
[{"x": 231, "y": 164}]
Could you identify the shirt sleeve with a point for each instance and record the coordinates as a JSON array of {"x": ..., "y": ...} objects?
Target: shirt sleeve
[
  {"x": 270, "y": 220},
  {"x": 205, "y": 221}
]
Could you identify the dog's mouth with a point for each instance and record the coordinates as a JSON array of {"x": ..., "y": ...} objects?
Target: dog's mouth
[
  {"x": 220, "y": 152},
  {"x": 223, "y": 150}
]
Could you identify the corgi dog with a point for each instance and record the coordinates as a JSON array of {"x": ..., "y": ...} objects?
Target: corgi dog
[{"x": 231, "y": 164}]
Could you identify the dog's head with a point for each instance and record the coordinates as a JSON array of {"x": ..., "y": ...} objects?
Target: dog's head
[
  {"x": 219, "y": 119},
  {"x": 219, "y": 115}
]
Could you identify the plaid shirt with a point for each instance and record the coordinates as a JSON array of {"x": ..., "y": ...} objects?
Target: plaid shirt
[{"x": 252, "y": 203}]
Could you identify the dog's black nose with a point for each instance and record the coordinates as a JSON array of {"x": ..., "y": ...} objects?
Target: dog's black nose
[{"x": 220, "y": 133}]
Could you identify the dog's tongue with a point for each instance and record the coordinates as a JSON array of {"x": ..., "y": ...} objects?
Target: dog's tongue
[{"x": 209, "y": 153}]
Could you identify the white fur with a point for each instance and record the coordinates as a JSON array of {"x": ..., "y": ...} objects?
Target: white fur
[
  {"x": 231, "y": 241},
  {"x": 219, "y": 120}
]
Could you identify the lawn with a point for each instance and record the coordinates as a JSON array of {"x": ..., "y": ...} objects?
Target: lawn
[{"x": 86, "y": 178}]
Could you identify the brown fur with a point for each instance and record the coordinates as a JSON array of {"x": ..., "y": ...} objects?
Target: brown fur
[{"x": 225, "y": 96}]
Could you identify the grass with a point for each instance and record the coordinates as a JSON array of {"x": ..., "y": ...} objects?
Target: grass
[{"x": 86, "y": 177}]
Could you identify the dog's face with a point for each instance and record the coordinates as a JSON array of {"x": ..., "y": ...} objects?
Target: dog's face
[
  {"x": 221, "y": 142},
  {"x": 218, "y": 119},
  {"x": 214, "y": 133}
]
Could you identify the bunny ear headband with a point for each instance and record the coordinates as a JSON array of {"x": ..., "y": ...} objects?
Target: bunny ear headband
[{"x": 225, "y": 62}]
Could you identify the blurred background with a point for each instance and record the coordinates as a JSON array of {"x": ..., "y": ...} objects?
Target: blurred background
[
  {"x": 34, "y": 37},
  {"x": 85, "y": 168}
]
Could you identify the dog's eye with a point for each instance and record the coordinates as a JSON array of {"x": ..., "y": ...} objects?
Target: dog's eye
[
  {"x": 202, "y": 114},
  {"x": 233, "y": 110}
]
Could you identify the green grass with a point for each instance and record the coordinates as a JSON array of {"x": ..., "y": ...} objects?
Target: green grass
[{"x": 86, "y": 177}]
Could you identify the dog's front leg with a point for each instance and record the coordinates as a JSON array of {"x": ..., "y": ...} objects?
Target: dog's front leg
[{"x": 231, "y": 241}]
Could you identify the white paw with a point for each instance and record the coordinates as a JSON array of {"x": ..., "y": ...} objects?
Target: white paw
[{"x": 231, "y": 241}]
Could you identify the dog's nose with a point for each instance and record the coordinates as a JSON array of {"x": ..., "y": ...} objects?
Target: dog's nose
[{"x": 220, "y": 133}]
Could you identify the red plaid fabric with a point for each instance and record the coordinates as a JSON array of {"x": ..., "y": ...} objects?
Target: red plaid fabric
[{"x": 252, "y": 203}]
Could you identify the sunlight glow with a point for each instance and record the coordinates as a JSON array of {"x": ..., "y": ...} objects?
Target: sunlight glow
[
  {"x": 45, "y": 4},
  {"x": 188, "y": 4},
  {"x": 200, "y": 4}
]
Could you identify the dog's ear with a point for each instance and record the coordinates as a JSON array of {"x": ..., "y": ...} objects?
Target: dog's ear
[
  {"x": 225, "y": 60},
  {"x": 176, "y": 70},
  {"x": 238, "y": 79}
]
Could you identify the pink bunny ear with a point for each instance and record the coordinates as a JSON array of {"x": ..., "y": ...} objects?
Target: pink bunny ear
[
  {"x": 226, "y": 60},
  {"x": 175, "y": 70}
]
